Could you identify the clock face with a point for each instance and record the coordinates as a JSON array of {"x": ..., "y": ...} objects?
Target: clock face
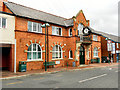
[{"x": 86, "y": 31}]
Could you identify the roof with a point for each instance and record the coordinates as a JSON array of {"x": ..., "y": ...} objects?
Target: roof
[
  {"x": 20, "y": 10},
  {"x": 106, "y": 35}
]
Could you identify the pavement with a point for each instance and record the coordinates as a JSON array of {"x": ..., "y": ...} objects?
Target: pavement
[
  {"x": 11, "y": 75},
  {"x": 100, "y": 77}
]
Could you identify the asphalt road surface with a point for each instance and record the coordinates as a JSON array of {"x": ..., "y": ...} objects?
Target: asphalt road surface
[{"x": 106, "y": 77}]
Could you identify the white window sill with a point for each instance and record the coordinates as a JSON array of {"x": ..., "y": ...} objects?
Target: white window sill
[
  {"x": 56, "y": 35},
  {"x": 58, "y": 59},
  {"x": 70, "y": 58},
  {"x": 33, "y": 60},
  {"x": 95, "y": 40},
  {"x": 34, "y": 32},
  {"x": 96, "y": 56}
]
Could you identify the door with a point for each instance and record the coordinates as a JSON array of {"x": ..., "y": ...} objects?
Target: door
[{"x": 82, "y": 55}]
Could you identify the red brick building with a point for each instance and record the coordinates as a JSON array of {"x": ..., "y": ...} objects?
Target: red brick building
[
  {"x": 112, "y": 51},
  {"x": 66, "y": 41}
]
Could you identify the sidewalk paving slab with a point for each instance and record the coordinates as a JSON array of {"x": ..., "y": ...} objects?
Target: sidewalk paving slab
[{"x": 12, "y": 75}]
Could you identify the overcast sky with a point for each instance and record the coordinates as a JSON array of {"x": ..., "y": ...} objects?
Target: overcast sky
[{"x": 103, "y": 14}]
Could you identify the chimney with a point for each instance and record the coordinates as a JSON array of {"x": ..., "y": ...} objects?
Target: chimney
[{"x": 2, "y": 4}]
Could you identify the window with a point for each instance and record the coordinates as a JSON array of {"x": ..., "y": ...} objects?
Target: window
[
  {"x": 56, "y": 31},
  {"x": 3, "y": 22},
  {"x": 57, "y": 52},
  {"x": 70, "y": 54},
  {"x": 70, "y": 32},
  {"x": 88, "y": 56},
  {"x": 34, "y": 52},
  {"x": 80, "y": 28},
  {"x": 95, "y": 52},
  {"x": 117, "y": 45},
  {"x": 34, "y": 27},
  {"x": 95, "y": 38}
]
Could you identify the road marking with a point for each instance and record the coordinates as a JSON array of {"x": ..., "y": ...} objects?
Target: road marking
[
  {"x": 59, "y": 75},
  {"x": 38, "y": 78},
  {"x": 117, "y": 71},
  {"x": 92, "y": 78},
  {"x": 15, "y": 83}
]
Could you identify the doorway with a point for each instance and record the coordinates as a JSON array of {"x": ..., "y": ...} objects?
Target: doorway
[
  {"x": 82, "y": 55},
  {"x": 5, "y": 61}
]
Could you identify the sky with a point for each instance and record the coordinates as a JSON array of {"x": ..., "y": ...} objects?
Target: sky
[{"x": 103, "y": 14}]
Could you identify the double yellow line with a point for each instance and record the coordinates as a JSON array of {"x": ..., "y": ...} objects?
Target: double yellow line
[{"x": 15, "y": 83}]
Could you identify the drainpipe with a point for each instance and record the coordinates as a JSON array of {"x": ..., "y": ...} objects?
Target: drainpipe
[{"x": 15, "y": 58}]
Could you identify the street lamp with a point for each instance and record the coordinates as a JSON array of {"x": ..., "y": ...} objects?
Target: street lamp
[{"x": 46, "y": 25}]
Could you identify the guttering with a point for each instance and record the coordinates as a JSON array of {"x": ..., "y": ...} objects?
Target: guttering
[{"x": 105, "y": 37}]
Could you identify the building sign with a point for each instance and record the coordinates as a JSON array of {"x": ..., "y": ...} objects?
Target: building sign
[
  {"x": 113, "y": 48},
  {"x": 57, "y": 62},
  {"x": 109, "y": 45}
]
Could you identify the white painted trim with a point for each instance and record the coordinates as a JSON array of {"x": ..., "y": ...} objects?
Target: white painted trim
[
  {"x": 31, "y": 60},
  {"x": 96, "y": 56},
  {"x": 35, "y": 51},
  {"x": 70, "y": 58},
  {"x": 58, "y": 59},
  {"x": 69, "y": 55},
  {"x": 69, "y": 32},
  {"x": 92, "y": 78},
  {"x": 55, "y": 31},
  {"x": 1, "y": 22},
  {"x": 58, "y": 51},
  {"x": 95, "y": 38},
  {"x": 36, "y": 27},
  {"x": 117, "y": 45},
  {"x": 15, "y": 58}
]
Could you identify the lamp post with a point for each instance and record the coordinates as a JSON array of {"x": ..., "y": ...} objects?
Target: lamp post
[{"x": 46, "y": 25}]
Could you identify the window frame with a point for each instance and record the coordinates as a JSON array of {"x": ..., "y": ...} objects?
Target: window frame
[
  {"x": 117, "y": 45},
  {"x": 95, "y": 52},
  {"x": 33, "y": 52},
  {"x": 1, "y": 26},
  {"x": 80, "y": 28},
  {"x": 37, "y": 24},
  {"x": 54, "y": 32},
  {"x": 70, "y": 32},
  {"x": 57, "y": 52},
  {"x": 70, "y": 55},
  {"x": 95, "y": 38}
]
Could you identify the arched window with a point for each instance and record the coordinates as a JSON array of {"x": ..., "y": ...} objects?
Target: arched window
[
  {"x": 95, "y": 52},
  {"x": 57, "y": 52},
  {"x": 70, "y": 54},
  {"x": 34, "y": 52},
  {"x": 80, "y": 28}
]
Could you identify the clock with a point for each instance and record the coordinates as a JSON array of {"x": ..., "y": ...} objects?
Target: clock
[{"x": 86, "y": 31}]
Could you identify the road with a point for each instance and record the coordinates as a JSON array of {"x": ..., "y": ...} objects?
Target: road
[{"x": 106, "y": 77}]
